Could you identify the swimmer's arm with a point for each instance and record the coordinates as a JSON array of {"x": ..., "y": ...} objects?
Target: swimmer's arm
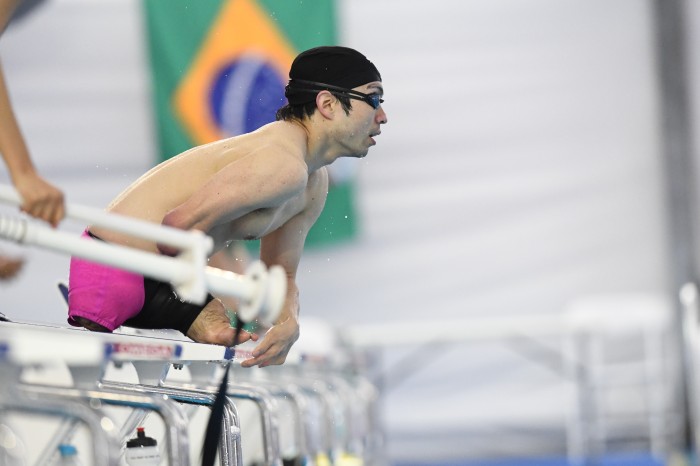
[
  {"x": 239, "y": 188},
  {"x": 284, "y": 247}
]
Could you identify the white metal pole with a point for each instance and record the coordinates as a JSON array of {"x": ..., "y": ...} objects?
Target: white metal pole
[
  {"x": 260, "y": 291},
  {"x": 122, "y": 224}
]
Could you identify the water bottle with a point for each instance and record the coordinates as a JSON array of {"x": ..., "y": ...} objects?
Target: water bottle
[
  {"x": 69, "y": 455},
  {"x": 142, "y": 450}
]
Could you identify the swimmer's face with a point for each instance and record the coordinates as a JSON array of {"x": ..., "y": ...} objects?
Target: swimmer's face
[{"x": 365, "y": 119}]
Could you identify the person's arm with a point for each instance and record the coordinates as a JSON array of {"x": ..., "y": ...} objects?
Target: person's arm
[
  {"x": 7, "y": 8},
  {"x": 284, "y": 247},
  {"x": 39, "y": 198}
]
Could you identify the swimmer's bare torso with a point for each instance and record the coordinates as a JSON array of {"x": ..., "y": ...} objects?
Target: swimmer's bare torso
[{"x": 244, "y": 187}]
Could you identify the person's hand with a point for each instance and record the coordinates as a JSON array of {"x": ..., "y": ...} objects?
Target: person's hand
[
  {"x": 9, "y": 267},
  {"x": 275, "y": 345},
  {"x": 40, "y": 199}
]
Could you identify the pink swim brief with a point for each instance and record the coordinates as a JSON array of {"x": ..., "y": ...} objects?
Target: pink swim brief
[{"x": 103, "y": 294}]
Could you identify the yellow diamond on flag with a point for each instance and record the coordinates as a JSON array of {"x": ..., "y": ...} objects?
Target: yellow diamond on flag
[{"x": 236, "y": 81}]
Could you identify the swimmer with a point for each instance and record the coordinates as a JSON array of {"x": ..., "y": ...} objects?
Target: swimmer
[{"x": 270, "y": 184}]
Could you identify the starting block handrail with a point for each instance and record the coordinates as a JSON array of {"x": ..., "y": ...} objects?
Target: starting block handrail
[
  {"x": 260, "y": 291},
  {"x": 131, "y": 226}
]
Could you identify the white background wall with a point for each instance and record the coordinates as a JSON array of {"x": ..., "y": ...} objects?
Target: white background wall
[{"x": 519, "y": 170}]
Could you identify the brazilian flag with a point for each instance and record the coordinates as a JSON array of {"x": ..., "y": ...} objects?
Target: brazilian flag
[{"x": 219, "y": 68}]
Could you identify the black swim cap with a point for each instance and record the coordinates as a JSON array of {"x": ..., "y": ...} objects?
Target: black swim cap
[{"x": 336, "y": 66}]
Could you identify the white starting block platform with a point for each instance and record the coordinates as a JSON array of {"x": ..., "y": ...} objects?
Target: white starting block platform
[
  {"x": 87, "y": 356},
  {"x": 30, "y": 343},
  {"x": 317, "y": 411}
]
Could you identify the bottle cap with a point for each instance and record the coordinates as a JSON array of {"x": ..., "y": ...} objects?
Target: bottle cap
[
  {"x": 141, "y": 440},
  {"x": 67, "y": 450}
]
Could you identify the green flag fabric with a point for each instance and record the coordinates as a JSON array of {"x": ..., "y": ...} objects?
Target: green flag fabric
[{"x": 219, "y": 68}]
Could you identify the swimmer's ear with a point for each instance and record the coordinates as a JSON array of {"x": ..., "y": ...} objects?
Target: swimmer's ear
[{"x": 325, "y": 103}]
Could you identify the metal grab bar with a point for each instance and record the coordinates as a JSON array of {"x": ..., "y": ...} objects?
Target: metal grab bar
[{"x": 262, "y": 291}]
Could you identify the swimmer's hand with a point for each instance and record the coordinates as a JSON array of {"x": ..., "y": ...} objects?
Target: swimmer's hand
[{"x": 275, "y": 345}]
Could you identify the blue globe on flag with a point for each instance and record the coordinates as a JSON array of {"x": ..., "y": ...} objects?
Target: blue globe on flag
[{"x": 245, "y": 95}]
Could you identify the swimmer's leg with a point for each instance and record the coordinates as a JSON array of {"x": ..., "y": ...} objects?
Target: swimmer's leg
[
  {"x": 101, "y": 298},
  {"x": 204, "y": 324}
]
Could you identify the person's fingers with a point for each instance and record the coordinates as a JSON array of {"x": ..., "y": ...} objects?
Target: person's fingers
[
  {"x": 248, "y": 363},
  {"x": 58, "y": 211},
  {"x": 260, "y": 356},
  {"x": 57, "y": 215},
  {"x": 34, "y": 207},
  {"x": 44, "y": 211},
  {"x": 276, "y": 360},
  {"x": 274, "y": 355},
  {"x": 43, "y": 201},
  {"x": 263, "y": 347},
  {"x": 26, "y": 207},
  {"x": 273, "y": 361},
  {"x": 33, "y": 211},
  {"x": 9, "y": 267}
]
